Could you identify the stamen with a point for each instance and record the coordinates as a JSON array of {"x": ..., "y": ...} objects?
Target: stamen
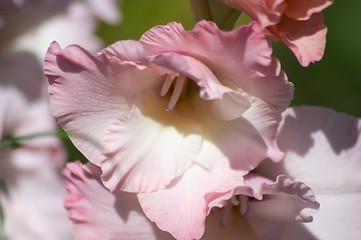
[
  {"x": 234, "y": 201},
  {"x": 243, "y": 199},
  {"x": 226, "y": 211},
  {"x": 176, "y": 92},
  {"x": 167, "y": 83}
]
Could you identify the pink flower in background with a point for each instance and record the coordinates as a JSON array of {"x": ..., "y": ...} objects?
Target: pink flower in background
[
  {"x": 33, "y": 199},
  {"x": 23, "y": 23},
  {"x": 323, "y": 150},
  {"x": 32, "y": 202},
  {"x": 34, "y": 191},
  {"x": 165, "y": 116},
  {"x": 298, "y": 24}
]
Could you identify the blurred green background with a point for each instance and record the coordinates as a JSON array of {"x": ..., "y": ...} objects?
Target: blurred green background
[{"x": 334, "y": 82}]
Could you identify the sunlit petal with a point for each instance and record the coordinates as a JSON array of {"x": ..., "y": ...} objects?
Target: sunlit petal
[{"x": 182, "y": 207}]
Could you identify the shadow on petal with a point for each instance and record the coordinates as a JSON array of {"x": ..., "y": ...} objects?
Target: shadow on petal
[{"x": 341, "y": 130}]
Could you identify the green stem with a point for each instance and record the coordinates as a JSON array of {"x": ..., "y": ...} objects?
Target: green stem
[
  {"x": 215, "y": 10},
  {"x": 15, "y": 142},
  {"x": 200, "y": 10}
]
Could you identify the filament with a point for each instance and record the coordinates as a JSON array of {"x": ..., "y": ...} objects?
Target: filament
[{"x": 176, "y": 92}]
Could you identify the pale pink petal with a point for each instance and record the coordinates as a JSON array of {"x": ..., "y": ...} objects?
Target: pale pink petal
[
  {"x": 33, "y": 199},
  {"x": 75, "y": 77},
  {"x": 299, "y": 24},
  {"x": 268, "y": 230},
  {"x": 149, "y": 149},
  {"x": 266, "y": 204},
  {"x": 283, "y": 200},
  {"x": 265, "y": 119},
  {"x": 181, "y": 208},
  {"x": 321, "y": 143},
  {"x": 100, "y": 214},
  {"x": 266, "y": 12},
  {"x": 231, "y": 148},
  {"x": 231, "y": 106},
  {"x": 306, "y": 39},
  {"x": 338, "y": 218},
  {"x": 238, "y": 146},
  {"x": 303, "y": 10},
  {"x": 129, "y": 50},
  {"x": 134, "y": 137},
  {"x": 210, "y": 87}
]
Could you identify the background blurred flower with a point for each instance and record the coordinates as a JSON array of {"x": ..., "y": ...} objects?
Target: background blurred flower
[
  {"x": 29, "y": 168},
  {"x": 31, "y": 25},
  {"x": 31, "y": 160}
]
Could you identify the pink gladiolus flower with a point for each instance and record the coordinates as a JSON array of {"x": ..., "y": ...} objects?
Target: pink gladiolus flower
[
  {"x": 34, "y": 191},
  {"x": 179, "y": 111},
  {"x": 323, "y": 150},
  {"x": 298, "y": 24}
]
